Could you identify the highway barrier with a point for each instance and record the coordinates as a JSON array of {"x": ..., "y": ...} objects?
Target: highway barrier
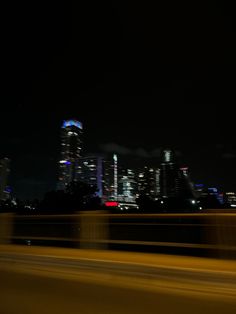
[{"x": 200, "y": 234}]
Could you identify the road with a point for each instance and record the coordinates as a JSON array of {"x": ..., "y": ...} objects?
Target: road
[{"x": 46, "y": 280}]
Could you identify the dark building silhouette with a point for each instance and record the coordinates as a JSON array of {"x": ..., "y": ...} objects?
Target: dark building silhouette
[
  {"x": 174, "y": 181},
  {"x": 186, "y": 187},
  {"x": 169, "y": 176},
  {"x": 4, "y": 175},
  {"x": 91, "y": 171}
]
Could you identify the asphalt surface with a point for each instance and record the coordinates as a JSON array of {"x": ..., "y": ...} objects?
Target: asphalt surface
[{"x": 45, "y": 280}]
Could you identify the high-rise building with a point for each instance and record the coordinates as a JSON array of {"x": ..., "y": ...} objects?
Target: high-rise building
[
  {"x": 4, "y": 175},
  {"x": 185, "y": 186},
  {"x": 71, "y": 145},
  {"x": 127, "y": 186},
  {"x": 92, "y": 172},
  {"x": 149, "y": 182},
  {"x": 157, "y": 182},
  {"x": 168, "y": 174},
  {"x": 230, "y": 198},
  {"x": 102, "y": 173},
  {"x": 110, "y": 178},
  {"x": 174, "y": 181}
]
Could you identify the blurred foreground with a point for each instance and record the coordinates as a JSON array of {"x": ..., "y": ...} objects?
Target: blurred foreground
[
  {"x": 100, "y": 262},
  {"x": 56, "y": 280}
]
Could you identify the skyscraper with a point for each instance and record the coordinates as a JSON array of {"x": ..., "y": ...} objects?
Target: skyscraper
[
  {"x": 127, "y": 186},
  {"x": 174, "y": 181},
  {"x": 71, "y": 142},
  {"x": 168, "y": 175},
  {"x": 185, "y": 184},
  {"x": 91, "y": 171},
  {"x": 4, "y": 174},
  {"x": 149, "y": 182},
  {"x": 230, "y": 198},
  {"x": 110, "y": 178}
]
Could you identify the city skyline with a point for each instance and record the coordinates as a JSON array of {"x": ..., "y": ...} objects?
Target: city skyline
[
  {"x": 140, "y": 77},
  {"x": 135, "y": 159},
  {"x": 118, "y": 157}
]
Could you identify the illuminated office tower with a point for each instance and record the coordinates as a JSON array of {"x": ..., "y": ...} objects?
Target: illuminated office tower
[
  {"x": 110, "y": 179},
  {"x": 4, "y": 174},
  {"x": 91, "y": 172},
  {"x": 157, "y": 182},
  {"x": 102, "y": 173},
  {"x": 115, "y": 176},
  {"x": 230, "y": 198},
  {"x": 71, "y": 133},
  {"x": 127, "y": 186},
  {"x": 149, "y": 182}
]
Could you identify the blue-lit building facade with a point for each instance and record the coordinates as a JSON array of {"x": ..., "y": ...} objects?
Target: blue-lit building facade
[
  {"x": 71, "y": 145},
  {"x": 217, "y": 194}
]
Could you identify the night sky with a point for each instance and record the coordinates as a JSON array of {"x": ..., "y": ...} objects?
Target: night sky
[{"x": 139, "y": 76}]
